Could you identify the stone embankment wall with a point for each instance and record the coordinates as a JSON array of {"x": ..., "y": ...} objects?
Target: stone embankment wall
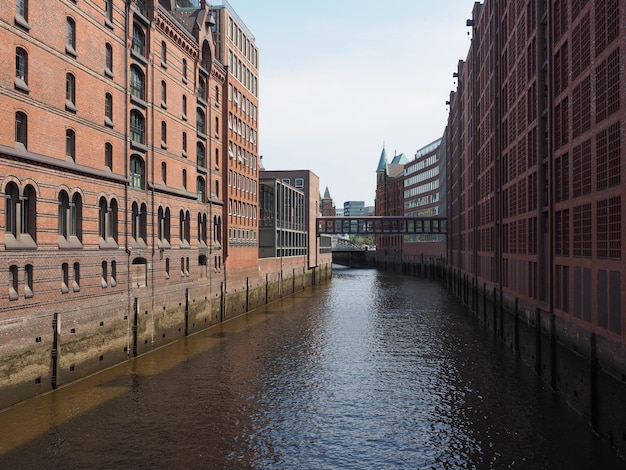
[
  {"x": 586, "y": 369},
  {"x": 42, "y": 352}
]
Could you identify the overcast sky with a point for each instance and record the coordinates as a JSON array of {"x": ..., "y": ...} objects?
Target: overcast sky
[{"x": 340, "y": 78}]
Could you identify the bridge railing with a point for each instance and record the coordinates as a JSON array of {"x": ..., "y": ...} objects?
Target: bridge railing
[{"x": 373, "y": 225}]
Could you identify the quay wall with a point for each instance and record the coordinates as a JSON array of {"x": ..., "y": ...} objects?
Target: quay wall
[
  {"x": 583, "y": 367},
  {"x": 58, "y": 345}
]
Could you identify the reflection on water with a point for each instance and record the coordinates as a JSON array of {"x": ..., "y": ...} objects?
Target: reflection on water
[{"x": 372, "y": 371}]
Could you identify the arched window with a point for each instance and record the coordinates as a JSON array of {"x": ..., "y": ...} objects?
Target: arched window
[
  {"x": 103, "y": 216},
  {"x": 139, "y": 222},
  {"x": 76, "y": 216},
  {"x": 21, "y": 128},
  {"x": 164, "y": 225},
  {"x": 108, "y": 66},
  {"x": 70, "y": 144},
  {"x": 70, "y": 216},
  {"x": 184, "y": 144},
  {"x": 184, "y": 106},
  {"x": 108, "y": 155},
  {"x": 202, "y": 229},
  {"x": 163, "y": 133},
  {"x": 64, "y": 209},
  {"x": 137, "y": 172},
  {"x": 167, "y": 229},
  {"x": 139, "y": 40},
  {"x": 108, "y": 109},
  {"x": 137, "y": 127},
  {"x": 184, "y": 227},
  {"x": 21, "y": 68},
  {"x": 137, "y": 83},
  {"x": 206, "y": 60},
  {"x": 108, "y": 9},
  {"x": 163, "y": 94},
  {"x": 217, "y": 188},
  {"x": 200, "y": 158},
  {"x": 70, "y": 36},
  {"x": 70, "y": 92},
  {"x": 12, "y": 198},
  {"x": 112, "y": 231},
  {"x": 184, "y": 70},
  {"x": 200, "y": 189},
  {"x": 163, "y": 53},
  {"x": 200, "y": 122},
  {"x": 29, "y": 212}
]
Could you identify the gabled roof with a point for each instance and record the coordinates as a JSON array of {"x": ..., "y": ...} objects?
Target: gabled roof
[
  {"x": 327, "y": 194},
  {"x": 400, "y": 159}
]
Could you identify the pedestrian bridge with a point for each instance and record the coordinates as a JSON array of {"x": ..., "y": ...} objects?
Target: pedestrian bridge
[{"x": 374, "y": 225}]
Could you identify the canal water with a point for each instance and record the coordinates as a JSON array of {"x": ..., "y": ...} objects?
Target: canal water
[{"x": 370, "y": 371}]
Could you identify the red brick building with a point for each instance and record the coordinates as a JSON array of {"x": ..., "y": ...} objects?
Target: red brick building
[
  {"x": 389, "y": 202},
  {"x": 535, "y": 142},
  {"x": 112, "y": 161}
]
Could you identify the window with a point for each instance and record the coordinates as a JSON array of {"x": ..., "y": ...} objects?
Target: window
[
  {"x": 21, "y": 11},
  {"x": 202, "y": 228},
  {"x": 185, "y": 107},
  {"x": 137, "y": 83},
  {"x": 70, "y": 219},
  {"x": 28, "y": 281},
  {"x": 185, "y": 179},
  {"x": 70, "y": 92},
  {"x": 76, "y": 284},
  {"x": 103, "y": 280},
  {"x": 13, "y": 283},
  {"x": 21, "y": 69},
  {"x": 70, "y": 36},
  {"x": 108, "y": 156},
  {"x": 108, "y": 12},
  {"x": 65, "y": 278},
  {"x": 167, "y": 268},
  {"x": 217, "y": 158},
  {"x": 108, "y": 66},
  {"x": 184, "y": 226},
  {"x": 202, "y": 89},
  {"x": 20, "y": 217},
  {"x": 200, "y": 155},
  {"x": 107, "y": 223},
  {"x": 137, "y": 127},
  {"x": 200, "y": 189},
  {"x": 136, "y": 172},
  {"x": 185, "y": 144},
  {"x": 139, "y": 218},
  {"x": 205, "y": 61},
  {"x": 139, "y": 40},
  {"x": 163, "y": 134},
  {"x": 21, "y": 128},
  {"x": 164, "y": 172},
  {"x": 163, "y": 54},
  {"x": 200, "y": 124},
  {"x": 184, "y": 70},
  {"x": 70, "y": 144},
  {"x": 217, "y": 127},
  {"x": 113, "y": 273},
  {"x": 217, "y": 188},
  {"x": 299, "y": 183},
  {"x": 108, "y": 109},
  {"x": 164, "y": 226},
  {"x": 163, "y": 94}
]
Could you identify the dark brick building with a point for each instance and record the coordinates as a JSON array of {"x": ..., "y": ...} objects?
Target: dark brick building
[{"x": 535, "y": 141}]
